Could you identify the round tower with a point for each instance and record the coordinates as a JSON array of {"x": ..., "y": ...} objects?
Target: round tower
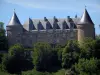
[
  {"x": 14, "y": 30},
  {"x": 85, "y": 27}
]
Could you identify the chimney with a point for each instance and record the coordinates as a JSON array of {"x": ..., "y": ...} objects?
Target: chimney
[
  {"x": 45, "y": 19},
  {"x": 68, "y": 17}
]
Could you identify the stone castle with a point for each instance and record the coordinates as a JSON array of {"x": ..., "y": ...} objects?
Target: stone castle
[{"x": 53, "y": 31}]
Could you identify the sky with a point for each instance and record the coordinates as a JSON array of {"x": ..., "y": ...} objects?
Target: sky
[{"x": 49, "y": 8}]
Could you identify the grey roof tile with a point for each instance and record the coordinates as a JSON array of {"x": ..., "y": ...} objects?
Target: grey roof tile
[
  {"x": 85, "y": 19},
  {"x": 29, "y": 25},
  {"x": 14, "y": 20},
  {"x": 50, "y": 23}
]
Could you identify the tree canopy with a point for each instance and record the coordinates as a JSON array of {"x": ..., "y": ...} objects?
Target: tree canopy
[{"x": 3, "y": 39}]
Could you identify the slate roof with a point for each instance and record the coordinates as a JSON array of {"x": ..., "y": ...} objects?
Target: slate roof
[
  {"x": 85, "y": 19},
  {"x": 14, "y": 20},
  {"x": 45, "y": 23},
  {"x": 29, "y": 25}
]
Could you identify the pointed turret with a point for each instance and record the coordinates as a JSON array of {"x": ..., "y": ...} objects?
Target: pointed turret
[
  {"x": 14, "y": 20},
  {"x": 85, "y": 27},
  {"x": 85, "y": 19},
  {"x": 14, "y": 30}
]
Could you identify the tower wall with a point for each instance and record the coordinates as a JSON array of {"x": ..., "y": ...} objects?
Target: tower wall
[
  {"x": 86, "y": 30},
  {"x": 14, "y": 33}
]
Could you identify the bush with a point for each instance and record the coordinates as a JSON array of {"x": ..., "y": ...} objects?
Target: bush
[
  {"x": 70, "y": 54},
  {"x": 16, "y": 60},
  {"x": 34, "y": 72},
  {"x": 87, "y": 67},
  {"x": 42, "y": 56}
]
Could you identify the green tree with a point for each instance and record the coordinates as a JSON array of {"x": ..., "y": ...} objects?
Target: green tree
[
  {"x": 59, "y": 50},
  {"x": 16, "y": 50},
  {"x": 16, "y": 60},
  {"x": 87, "y": 67},
  {"x": 97, "y": 49},
  {"x": 70, "y": 54},
  {"x": 3, "y": 40},
  {"x": 1, "y": 25},
  {"x": 42, "y": 56},
  {"x": 90, "y": 48}
]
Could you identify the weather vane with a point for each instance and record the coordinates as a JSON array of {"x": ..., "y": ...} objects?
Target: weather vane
[
  {"x": 85, "y": 6},
  {"x": 14, "y": 10}
]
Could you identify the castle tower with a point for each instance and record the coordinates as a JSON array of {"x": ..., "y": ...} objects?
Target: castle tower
[
  {"x": 14, "y": 30},
  {"x": 85, "y": 27}
]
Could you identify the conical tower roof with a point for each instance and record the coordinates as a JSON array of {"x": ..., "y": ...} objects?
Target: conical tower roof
[
  {"x": 14, "y": 20},
  {"x": 85, "y": 19}
]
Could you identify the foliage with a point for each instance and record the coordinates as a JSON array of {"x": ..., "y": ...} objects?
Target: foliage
[
  {"x": 34, "y": 72},
  {"x": 2, "y": 32},
  {"x": 90, "y": 48},
  {"x": 87, "y": 67},
  {"x": 16, "y": 60},
  {"x": 75, "y": 58},
  {"x": 42, "y": 56},
  {"x": 97, "y": 49},
  {"x": 1, "y": 55},
  {"x": 59, "y": 50},
  {"x": 3, "y": 40},
  {"x": 70, "y": 54},
  {"x": 97, "y": 37},
  {"x": 2, "y": 25},
  {"x": 16, "y": 50},
  {"x": 60, "y": 72}
]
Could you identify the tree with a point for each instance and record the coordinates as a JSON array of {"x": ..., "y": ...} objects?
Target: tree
[
  {"x": 3, "y": 39},
  {"x": 70, "y": 54},
  {"x": 16, "y": 60},
  {"x": 16, "y": 50},
  {"x": 58, "y": 50},
  {"x": 97, "y": 49},
  {"x": 87, "y": 67},
  {"x": 90, "y": 48},
  {"x": 42, "y": 56},
  {"x": 1, "y": 25}
]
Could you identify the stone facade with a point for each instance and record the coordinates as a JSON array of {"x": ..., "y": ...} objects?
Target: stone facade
[{"x": 53, "y": 31}]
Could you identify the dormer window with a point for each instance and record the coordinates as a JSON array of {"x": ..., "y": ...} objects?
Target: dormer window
[
  {"x": 55, "y": 19},
  {"x": 48, "y": 25},
  {"x": 64, "y": 25},
  {"x": 40, "y": 26},
  {"x": 56, "y": 26}
]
